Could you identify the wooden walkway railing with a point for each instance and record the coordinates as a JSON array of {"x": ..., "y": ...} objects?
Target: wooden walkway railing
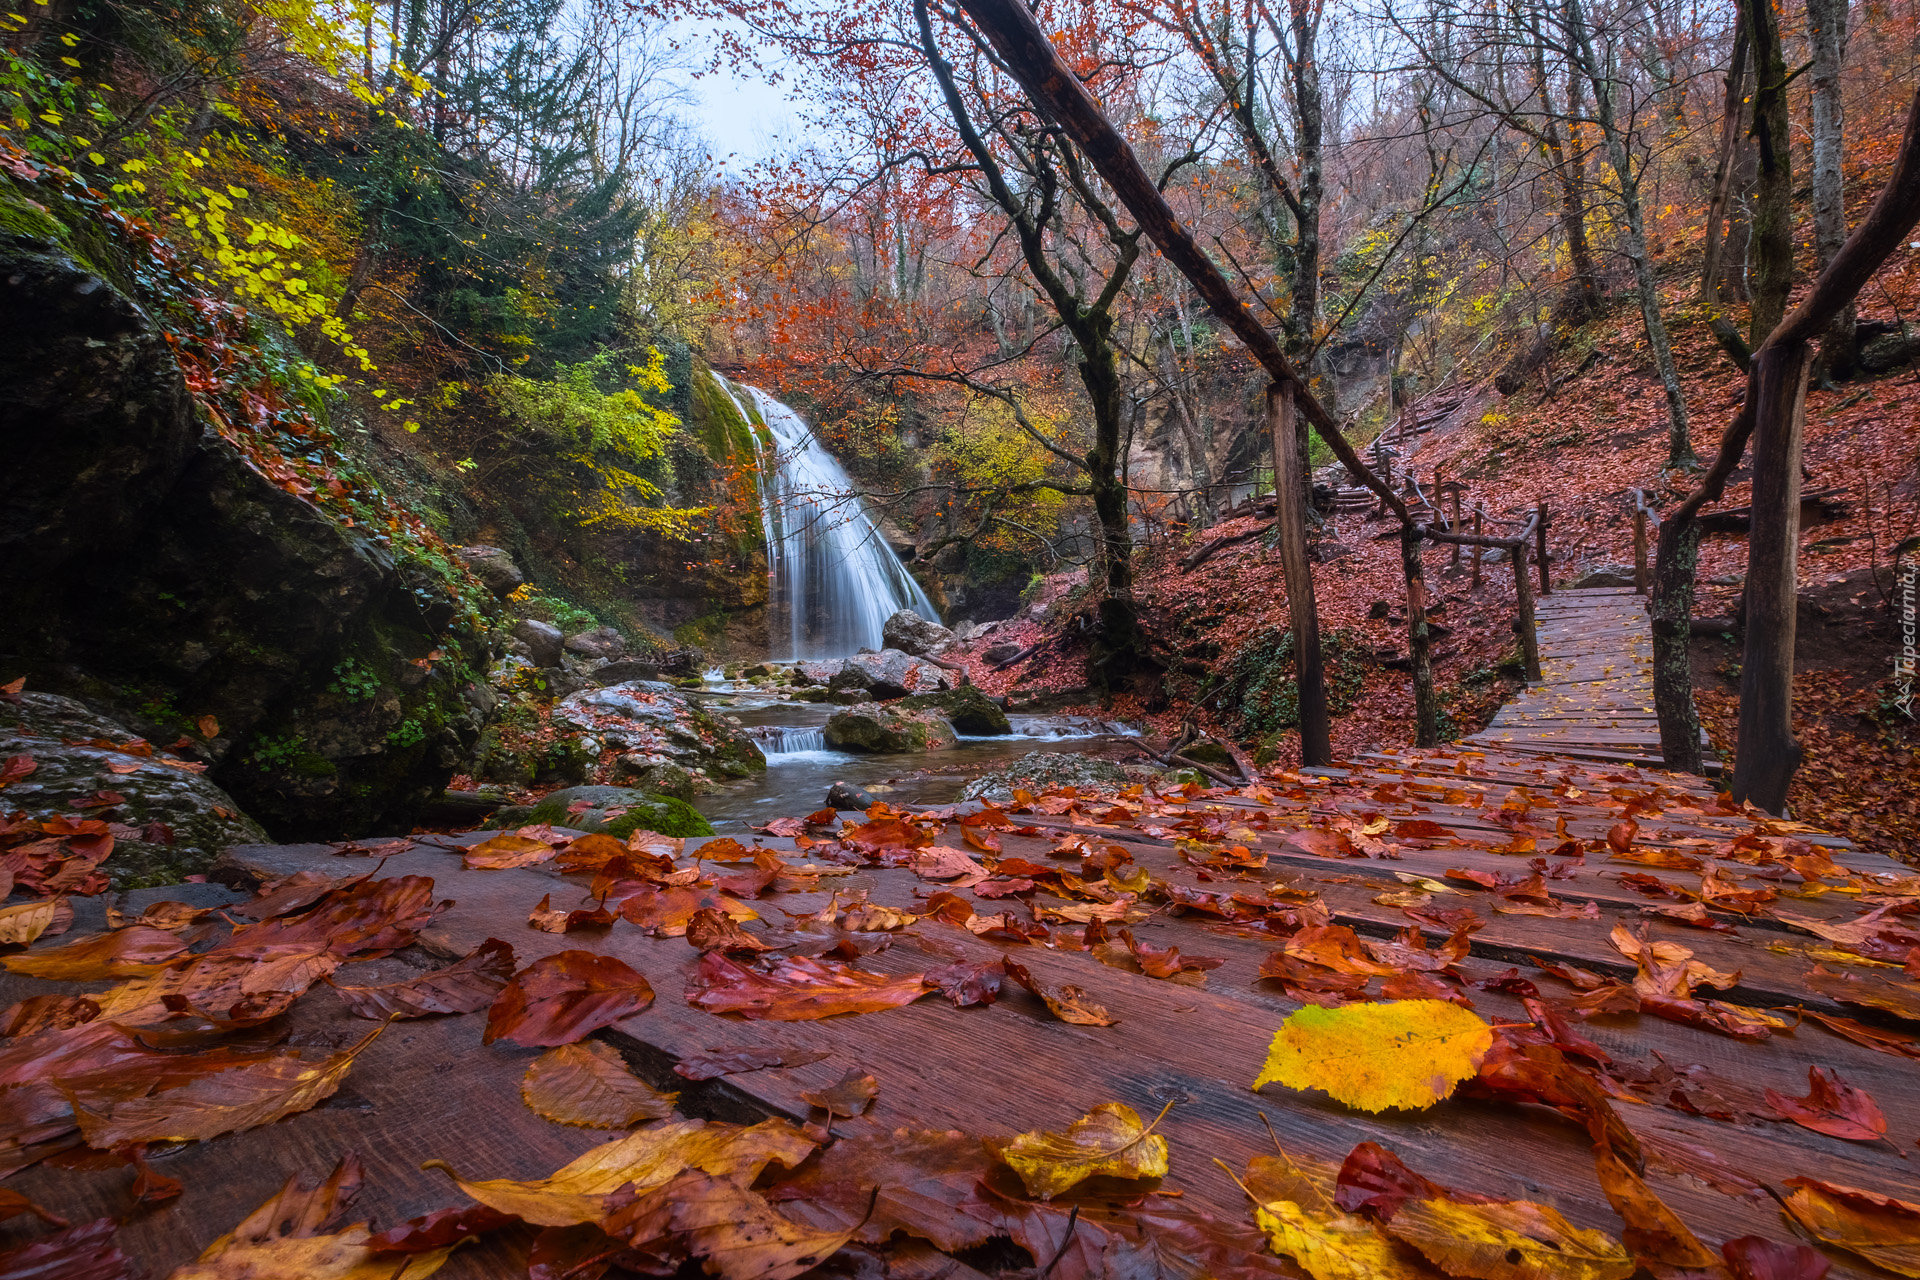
[{"x": 1595, "y": 698}]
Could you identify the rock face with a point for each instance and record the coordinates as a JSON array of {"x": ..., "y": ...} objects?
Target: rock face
[
  {"x": 543, "y": 641},
  {"x": 621, "y": 670},
  {"x": 891, "y": 674},
  {"x": 170, "y": 821},
  {"x": 888, "y": 731},
  {"x": 152, "y": 572},
  {"x": 614, "y": 811},
  {"x": 910, "y": 633},
  {"x": 658, "y": 726},
  {"x": 1044, "y": 770},
  {"x": 968, "y": 710},
  {"x": 494, "y": 567}
]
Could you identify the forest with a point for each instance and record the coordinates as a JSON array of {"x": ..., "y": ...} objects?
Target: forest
[{"x": 1161, "y": 613}]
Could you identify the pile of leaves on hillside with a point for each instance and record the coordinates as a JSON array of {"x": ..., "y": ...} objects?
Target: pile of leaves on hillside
[{"x": 183, "y": 1045}]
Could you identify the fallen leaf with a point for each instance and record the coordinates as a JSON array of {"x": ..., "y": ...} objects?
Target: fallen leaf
[
  {"x": 666, "y": 913},
  {"x": 126, "y": 953},
  {"x": 1067, "y": 1002},
  {"x": 966, "y": 983},
  {"x": 1509, "y": 1240},
  {"x": 1655, "y": 1234},
  {"x": 1111, "y": 1140},
  {"x": 740, "y": 1235},
  {"x": 796, "y": 988},
  {"x": 643, "y": 1160},
  {"x": 1403, "y": 1053},
  {"x": 851, "y": 1097},
  {"x": 1902, "y": 999},
  {"x": 1878, "y": 1038},
  {"x": 1883, "y": 1230},
  {"x": 462, "y": 987},
  {"x": 20, "y": 925},
  {"x": 241, "y": 1097},
  {"x": 441, "y": 1228},
  {"x": 709, "y": 930},
  {"x": 588, "y": 1084},
  {"x": 1295, "y": 1209},
  {"x": 565, "y": 997},
  {"x": 544, "y": 918},
  {"x": 85, "y": 1252},
  {"x": 502, "y": 853},
  {"x": 907, "y": 1180},
  {"x": 1833, "y": 1107},
  {"x": 1757, "y": 1258}
]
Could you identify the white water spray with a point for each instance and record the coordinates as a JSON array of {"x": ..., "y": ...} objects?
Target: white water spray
[{"x": 835, "y": 579}]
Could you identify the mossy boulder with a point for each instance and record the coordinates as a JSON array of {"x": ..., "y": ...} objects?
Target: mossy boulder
[
  {"x": 652, "y": 719},
  {"x": 171, "y": 821},
  {"x": 968, "y": 710},
  {"x": 888, "y": 731},
  {"x": 614, "y": 811},
  {"x": 1046, "y": 771}
]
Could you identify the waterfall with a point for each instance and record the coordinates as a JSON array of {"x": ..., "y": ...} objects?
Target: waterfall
[
  {"x": 835, "y": 579},
  {"x": 788, "y": 740}
]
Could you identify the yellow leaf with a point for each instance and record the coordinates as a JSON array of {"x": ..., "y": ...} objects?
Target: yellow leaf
[
  {"x": 22, "y": 924},
  {"x": 1295, "y": 1207},
  {"x": 639, "y": 1162},
  {"x": 1400, "y": 1053},
  {"x": 588, "y": 1084},
  {"x": 1513, "y": 1240},
  {"x": 1111, "y": 1139},
  {"x": 1878, "y": 1227}
]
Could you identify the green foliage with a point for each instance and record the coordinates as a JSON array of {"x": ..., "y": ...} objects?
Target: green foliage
[
  {"x": 353, "y": 681},
  {"x": 1259, "y": 680}
]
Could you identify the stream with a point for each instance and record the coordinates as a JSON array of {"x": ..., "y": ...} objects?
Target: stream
[{"x": 800, "y": 768}]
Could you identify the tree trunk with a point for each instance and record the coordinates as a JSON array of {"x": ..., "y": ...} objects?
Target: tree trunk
[
  {"x": 1582, "y": 299},
  {"x": 1768, "y": 753},
  {"x": 1426, "y": 706},
  {"x": 1827, "y": 38},
  {"x": 1733, "y": 111},
  {"x": 1523, "y": 609},
  {"x": 1303, "y": 312},
  {"x": 1316, "y": 746},
  {"x": 1773, "y": 199},
  {"x": 1120, "y": 648},
  {"x": 1671, "y": 610},
  {"x": 1620, "y": 157}
]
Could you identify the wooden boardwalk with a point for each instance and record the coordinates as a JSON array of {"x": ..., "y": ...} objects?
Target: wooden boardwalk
[
  {"x": 1595, "y": 701},
  {"x": 1529, "y": 865}
]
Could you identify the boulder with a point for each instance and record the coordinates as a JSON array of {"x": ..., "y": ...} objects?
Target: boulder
[
  {"x": 543, "y": 640},
  {"x": 154, "y": 570},
  {"x": 1004, "y": 651},
  {"x": 642, "y": 717},
  {"x": 968, "y": 710},
  {"x": 811, "y": 673},
  {"x": 169, "y": 821},
  {"x": 888, "y": 731},
  {"x": 891, "y": 673},
  {"x": 1607, "y": 575},
  {"x": 650, "y": 772},
  {"x": 495, "y": 568},
  {"x": 683, "y": 663},
  {"x": 910, "y": 633},
  {"x": 601, "y": 642},
  {"x": 1889, "y": 351},
  {"x": 844, "y": 795},
  {"x": 613, "y": 811},
  {"x": 1045, "y": 771},
  {"x": 622, "y": 670}
]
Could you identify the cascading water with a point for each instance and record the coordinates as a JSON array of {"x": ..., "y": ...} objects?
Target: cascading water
[{"x": 835, "y": 579}]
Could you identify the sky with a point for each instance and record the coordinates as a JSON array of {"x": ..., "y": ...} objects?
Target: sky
[{"x": 744, "y": 118}]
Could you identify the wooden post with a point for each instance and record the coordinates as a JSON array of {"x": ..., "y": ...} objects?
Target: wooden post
[
  {"x": 1639, "y": 548},
  {"x": 1768, "y": 754},
  {"x": 1290, "y": 519},
  {"x": 1479, "y": 520},
  {"x": 1540, "y": 535},
  {"x": 1426, "y": 707},
  {"x": 1455, "y": 526},
  {"x": 1523, "y": 598}
]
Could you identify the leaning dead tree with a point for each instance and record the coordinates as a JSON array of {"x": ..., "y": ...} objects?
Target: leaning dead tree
[
  {"x": 1772, "y": 416},
  {"x": 1009, "y": 26}
]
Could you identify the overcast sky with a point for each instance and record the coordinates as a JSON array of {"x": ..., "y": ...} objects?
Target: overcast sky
[{"x": 742, "y": 116}]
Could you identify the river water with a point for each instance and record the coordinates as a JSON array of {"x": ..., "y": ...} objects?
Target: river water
[{"x": 800, "y": 768}]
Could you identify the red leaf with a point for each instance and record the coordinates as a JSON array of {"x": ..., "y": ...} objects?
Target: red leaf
[
  {"x": 1833, "y": 1107},
  {"x": 1758, "y": 1258},
  {"x": 565, "y": 997}
]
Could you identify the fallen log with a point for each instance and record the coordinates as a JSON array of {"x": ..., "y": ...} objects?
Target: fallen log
[{"x": 1218, "y": 545}]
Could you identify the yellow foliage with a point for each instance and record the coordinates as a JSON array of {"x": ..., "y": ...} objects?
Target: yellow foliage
[
  {"x": 1111, "y": 1139},
  {"x": 1401, "y": 1053},
  {"x": 1510, "y": 1240},
  {"x": 1295, "y": 1207}
]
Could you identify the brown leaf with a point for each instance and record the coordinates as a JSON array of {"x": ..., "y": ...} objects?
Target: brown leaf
[
  {"x": 588, "y": 1084},
  {"x": 441, "y": 1229},
  {"x": 1655, "y": 1234},
  {"x": 967, "y": 983},
  {"x": 905, "y": 1180},
  {"x": 1757, "y": 1258},
  {"x": 565, "y": 997},
  {"x": 504, "y": 852},
  {"x": 1902, "y": 999},
  {"x": 466, "y": 985},
  {"x": 709, "y": 930},
  {"x": 548, "y": 920},
  {"x": 150, "y": 1188},
  {"x": 364, "y": 917},
  {"x": 38, "y": 1013},
  {"x": 241, "y": 1097},
  {"x": 1833, "y": 1107},
  {"x": 1067, "y": 1002},
  {"x": 851, "y": 1097},
  {"x": 666, "y": 913},
  {"x": 739, "y": 1234},
  {"x": 126, "y": 953},
  {"x": 796, "y": 988},
  {"x": 1883, "y": 1230},
  {"x": 85, "y": 1252},
  {"x": 1877, "y": 1038}
]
